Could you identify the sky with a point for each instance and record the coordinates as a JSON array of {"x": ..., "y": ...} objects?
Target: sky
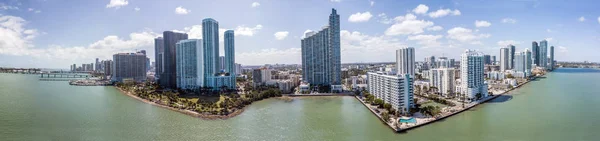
[{"x": 58, "y": 33}]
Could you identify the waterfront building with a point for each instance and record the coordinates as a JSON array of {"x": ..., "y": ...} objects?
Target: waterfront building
[
  {"x": 190, "y": 64},
  {"x": 535, "y": 50},
  {"x": 159, "y": 51},
  {"x": 472, "y": 75},
  {"x": 396, "y": 90},
  {"x": 168, "y": 77},
  {"x": 443, "y": 79},
  {"x": 504, "y": 59},
  {"x": 321, "y": 63},
  {"x": 229, "y": 61},
  {"x": 496, "y": 75},
  {"x": 551, "y": 59},
  {"x": 523, "y": 63},
  {"x": 129, "y": 66},
  {"x": 107, "y": 67},
  {"x": 405, "y": 61},
  {"x": 511, "y": 56},
  {"x": 543, "y": 54}
]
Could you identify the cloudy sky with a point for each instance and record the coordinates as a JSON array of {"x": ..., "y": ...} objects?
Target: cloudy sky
[{"x": 57, "y": 33}]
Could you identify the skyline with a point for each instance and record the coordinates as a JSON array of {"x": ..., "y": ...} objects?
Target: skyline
[{"x": 49, "y": 34}]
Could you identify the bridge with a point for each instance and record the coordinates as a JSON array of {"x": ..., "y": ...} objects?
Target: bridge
[
  {"x": 20, "y": 70},
  {"x": 65, "y": 75}
]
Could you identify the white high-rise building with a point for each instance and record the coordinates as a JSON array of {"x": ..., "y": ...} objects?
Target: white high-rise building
[
  {"x": 504, "y": 59},
  {"x": 396, "y": 90},
  {"x": 190, "y": 64},
  {"x": 523, "y": 63},
  {"x": 472, "y": 75},
  {"x": 443, "y": 80},
  {"x": 405, "y": 61}
]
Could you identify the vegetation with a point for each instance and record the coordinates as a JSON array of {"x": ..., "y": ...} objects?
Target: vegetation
[
  {"x": 439, "y": 100},
  {"x": 430, "y": 110},
  {"x": 202, "y": 100},
  {"x": 385, "y": 116}
]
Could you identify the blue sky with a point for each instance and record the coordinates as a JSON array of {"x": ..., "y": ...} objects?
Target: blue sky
[{"x": 57, "y": 33}]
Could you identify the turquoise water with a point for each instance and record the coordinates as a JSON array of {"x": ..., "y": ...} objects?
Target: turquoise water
[{"x": 561, "y": 107}]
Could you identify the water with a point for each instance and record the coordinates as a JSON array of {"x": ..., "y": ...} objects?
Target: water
[{"x": 563, "y": 106}]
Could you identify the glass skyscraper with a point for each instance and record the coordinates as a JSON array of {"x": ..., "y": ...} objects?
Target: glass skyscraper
[
  {"x": 321, "y": 61},
  {"x": 168, "y": 78},
  {"x": 189, "y": 64}
]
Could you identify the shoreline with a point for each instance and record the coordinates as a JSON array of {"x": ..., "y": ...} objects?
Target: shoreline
[
  {"x": 482, "y": 101},
  {"x": 186, "y": 112}
]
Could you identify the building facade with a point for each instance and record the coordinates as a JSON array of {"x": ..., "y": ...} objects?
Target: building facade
[
  {"x": 129, "y": 66},
  {"x": 159, "y": 50},
  {"x": 543, "y": 54},
  {"x": 405, "y": 61},
  {"x": 472, "y": 75},
  {"x": 229, "y": 61},
  {"x": 443, "y": 79},
  {"x": 504, "y": 59},
  {"x": 190, "y": 64},
  {"x": 321, "y": 62},
  {"x": 396, "y": 90},
  {"x": 535, "y": 50},
  {"x": 511, "y": 56},
  {"x": 551, "y": 63},
  {"x": 168, "y": 77}
]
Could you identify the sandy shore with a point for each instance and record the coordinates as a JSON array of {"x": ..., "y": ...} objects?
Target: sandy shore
[{"x": 187, "y": 112}]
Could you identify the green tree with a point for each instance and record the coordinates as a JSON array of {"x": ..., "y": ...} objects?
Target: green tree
[
  {"x": 385, "y": 116},
  {"x": 387, "y": 106}
]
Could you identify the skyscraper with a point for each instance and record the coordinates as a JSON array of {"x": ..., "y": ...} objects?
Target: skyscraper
[
  {"x": 523, "y": 61},
  {"x": 534, "y": 53},
  {"x": 169, "y": 76},
  {"x": 321, "y": 62},
  {"x": 159, "y": 50},
  {"x": 472, "y": 75},
  {"x": 487, "y": 60},
  {"x": 97, "y": 65},
  {"x": 221, "y": 63},
  {"x": 210, "y": 33},
  {"x": 443, "y": 79},
  {"x": 493, "y": 60},
  {"x": 229, "y": 65},
  {"x": 129, "y": 66},
  {"x": 394, "y": 89},
  {"x": 551, "y": 64},
  {"x": 543, "y": 54},
  {"x": 511, "y": 56},
  {"x": 405, "y": 61},
  {"x": 504, "y": 59},
  {"x": 190, "y": 64}
]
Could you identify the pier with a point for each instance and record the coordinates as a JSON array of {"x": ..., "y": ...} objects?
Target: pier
[{"x": 20, "y": 70}]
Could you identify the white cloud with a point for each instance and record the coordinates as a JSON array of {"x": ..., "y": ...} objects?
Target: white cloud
[
  {"x": 117, "y": 3},
  {"x": 8, "y": 7},
  {"x": 444, "y": 12},
  {"x": 549, "y": 39},
  {"x": 372, "y": 3},
  {"x": 335, "y": 0},
  {"x": 562, "y": 49},
  {"x": 435, "y": 28},
  {"x": 426, "y": 40},
  {"x": 304, "y": 34},
  {"x": 360, "y": 17},
  {"x": 384, "y": 19},
  {"x": 136, "y": 9},
  {"x": 598, "y": 19},
  {"x": 281, "y": 35},
  {"x": 38, "y": 11},
  {"x": 359, "y": 47},
  {"x": 508, "y": 42},
  {"x": 581, "y": 19},
  {"x": 255, "y": 4},
  {"x": 269, "y": 56},
  {"x": 408, "y": 24},
  {"x": 30, "y": 9},
  {"x": 421, "y": 9},
  {"x": 549, "y": 30},
  {"x": 247, "y": 31},
  {"x": 182, "y": 11},
  {"x": 509, "y": 20},
  {"x": 479, "y": 23},
  {"x": 466, "y": 35},
  {"x": 14, "y": 38}
]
